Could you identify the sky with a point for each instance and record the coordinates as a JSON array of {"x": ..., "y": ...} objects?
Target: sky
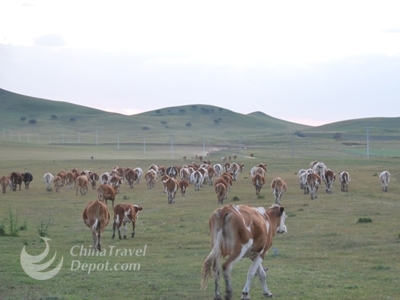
[{"x": 309, "y": 62}]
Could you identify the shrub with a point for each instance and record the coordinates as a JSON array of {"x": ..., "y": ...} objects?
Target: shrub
[
  {"x": 194, "y": 106},
  {"x": 23, "y": 119},
  {"x": 72, "y": 119},
  {"x": 299, "y": 133},
  {"x": 188, "y": 124},
  {"x": 53, "y": 117},
  {"x": 364, "y": 220},
  {"x": 216, "y": 121},
  {"x": 14, "y": 229},
  {"x": 182, "y": 110},
  {"x": 163, "y": 122},
  {"x": 32, "y": 121},
  {"x": 158, "y": 111},
  {"x": 145, "y": 128},
  {"x": 338, "y": 136},
  {"x": 43, "y": 228}
]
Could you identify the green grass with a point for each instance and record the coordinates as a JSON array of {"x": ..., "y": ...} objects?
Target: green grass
[{"x": 326, "y": 254}]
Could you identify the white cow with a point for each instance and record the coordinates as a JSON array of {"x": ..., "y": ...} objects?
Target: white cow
[
  {"x": 384, "y": 177},
  {"x": 48, "y": 180},
  {"x": 139, "y": 173}
]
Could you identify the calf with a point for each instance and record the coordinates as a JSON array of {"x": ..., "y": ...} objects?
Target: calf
[
  {"x": 150, "y": 178},
  {"x": 96, "y": 216},
  {"x": 238, "y": 231},
  {"x": 93, "y": 178},
  {"x": 4, "y": 182},
  {"x": 27, "y": 178},
  {"x": 313, "y": 182},
  {"x": 107, "y": 192},
  {"x": 124, "y": 214},
  {"x": 344, "y": 178},
  {"x": 258, "y": 181},
  {"x": 82, "y": 184},
  {"x": 15, "y": 179},
  {"x": 221, "y": 191},
  {"x": 278, "y": 186},
  {"x": 384, "y": 177},
  {"x": 329, "y": 179}
]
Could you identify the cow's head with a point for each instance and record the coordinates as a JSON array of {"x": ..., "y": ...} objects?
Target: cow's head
[{"x": 282, "y": 227}]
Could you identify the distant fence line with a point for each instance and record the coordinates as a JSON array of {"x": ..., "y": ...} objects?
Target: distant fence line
[{"x": 381, "y": 145}]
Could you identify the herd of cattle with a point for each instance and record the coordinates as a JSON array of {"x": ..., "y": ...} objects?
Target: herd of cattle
[{"x": 236, "y": 231}]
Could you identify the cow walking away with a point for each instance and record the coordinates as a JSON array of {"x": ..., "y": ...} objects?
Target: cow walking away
[
  {"x": 107, "y": 192},
  {"x": 313, "y": 183},
  {"x": 238, "y": 231},
  {"x": 344, "y": 178},
  {"x": 96, "y": 216},
  {"x": 329, "y": 179},
  {"x": 258, "y": 181},
  {"x": 384, "y": 177},
  {"x": 123, "y": 214},
  {"x": 278, "y": 186}
]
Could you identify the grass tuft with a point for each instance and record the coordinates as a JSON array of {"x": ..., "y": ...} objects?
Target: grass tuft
[{"x": 364, "y": 220}]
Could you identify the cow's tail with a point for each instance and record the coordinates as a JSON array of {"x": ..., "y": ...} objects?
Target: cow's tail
[
  {"x": 96, "y": 223},
  {"x": 210, "y": 261}
]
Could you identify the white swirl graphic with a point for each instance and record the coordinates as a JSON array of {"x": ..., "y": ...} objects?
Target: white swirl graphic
[{"x": 29, "y": 264}]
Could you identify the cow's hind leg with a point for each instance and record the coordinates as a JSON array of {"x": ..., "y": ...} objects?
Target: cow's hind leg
[
  {"x": 263, "y": 278},
  {"x": 217, "y": 271},
  {"x": 250, "y": 274},
  {"x": 133, "y": 228}
]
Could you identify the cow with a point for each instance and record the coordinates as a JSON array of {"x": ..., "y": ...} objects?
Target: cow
[
  {"x": 15, "y": 179},
  {"x": 107, "y": 192},
  {"x": 302, "y": 175},
  {"x": 344, "y": 178},
  {"x": 234, "y": 169},
  {"x": 320, "y": 169},
  {"x": 183, "y": 185},
  {"x": 48, "y": 180},
  {"x": 139, "y": 173},
  {"x": 258, "y": 181},
  {"x": 150, "y": 178},
  {"x": 4, "y": 182},
  {"x": 184, "y": 173},
  {"x": 82, "y": 184},
  {"x": 329, "y": 179},
  {"x": 27, "y": 178},
  {"x": 96, "y": 216},
  {"x": 171, "y": 171},
  {"x": 62, "y": 175},
  {"x": 130, "y": 177},
  {"x": 116, "y": 181},
  {"x": 228, "y": 178},
  {"x": 223, "y": 181},
  {"x": 218, "y": 169},
  {"x": 70, "y": 179},
  {"x": 221, "y": 191},
  {"x": 384, "y": 177},
  {"x": 93, "y": 178},
  {"x": 257, "y": 169},
  {"x": 124, "y": 214},
  {"x": 313, "y": 182},
  {"x": 210, "y": 174},
  {"x": 197, "y": 179},
  {"x": 278, "y": 186},
  {"x": 238, "y": 231},
  {"x": 105, "y": 178},
  {"x": 154, "y": 168},
  {"x": 57, "y": 183},
  {"x": 172, "y": 185}
]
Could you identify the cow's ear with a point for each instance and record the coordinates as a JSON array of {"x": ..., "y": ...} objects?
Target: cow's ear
[{"x": 281, "y": 209}]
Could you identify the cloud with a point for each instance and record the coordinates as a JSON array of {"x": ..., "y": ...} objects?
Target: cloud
[
  {"x": 392, "y": 30},
  {"x": 50, "y": 40}
]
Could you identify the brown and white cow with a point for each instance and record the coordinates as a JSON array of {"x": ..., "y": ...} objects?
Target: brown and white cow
[
  {"x": 210, "y": 175},
  {"x": 313, "y": 182},
  {"x": 384, "y": 178},
  {"x": 221, "y": 191},
  {"x": 4, "y": 182},
  {"x": 150, "y": 178},
  {"x": 124, "y": 214},
  {"x": 302, "y": 175},
  {"x": 239, "y": 231},
  {"x": 57, "y": 183},
  {"x": 62, "y": 175},
  {"x": 82, "y": 184},
  {"x": 344, "y": 178},
  {"x": 329, "y": 179},
  {"x": 278, "y": 186},
  {"x": 107, "y": 192},
  {"x": 257, "y": 169},
  {"x": 197, "y": 178},
  {"x": 70, "y": 179},
  {"x": 93, "y": 178},
  {"x": 258, "y": 181},
  {"x": 171, "y": 185},
  {"x": 183, "y": 185},
  {"x": 320, "y": 169},
  {"x": 15, "y": 179},
  {"x": 96, "y": 216}
]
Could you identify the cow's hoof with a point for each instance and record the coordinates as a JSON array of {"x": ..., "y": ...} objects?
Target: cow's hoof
[
  {"x": 268, "y": 295},
  {"x": 113, "y": 237},
  {"x": 124, "y": 237}
]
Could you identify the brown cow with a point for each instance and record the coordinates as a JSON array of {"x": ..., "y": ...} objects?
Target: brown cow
[
  {"x": 313, "y": 182},
  {"x": 150, "y": 178},
  {"x": 4, "y": 182},
  {"x": 258, "y": 181},
  {"x": 172, "y": 186},
  {"x": 329, "y": 179},
  {"x": 82, "y": 184},
  {"x": 130, "y": 176},
  {"x": 70, "y": 179},
  {"x": 107, "y": 192},
  {"x": 183, "y": 185},
  {"x": 15, "y": 179},
  {"x": 57, "y": 183},
  {"x": 344, "y": 178},
  {"x": 123, "y": 214},
  {"x": 278, "y": 186},
  {"x": 239, "y": 231},
  {"x": 221, "y": 191},
  {"x": 211, "y": 174},
  {"x": 223, "y": 181},
  {"x": 96, "y": 217},
  {"x": 63, "y": 176}
]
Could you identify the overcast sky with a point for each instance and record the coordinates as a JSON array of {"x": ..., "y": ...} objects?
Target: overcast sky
[{"x": 310, "y": 62}]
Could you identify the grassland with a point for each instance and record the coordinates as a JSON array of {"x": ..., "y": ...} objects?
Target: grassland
[{"x": 326, "y": 254}]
